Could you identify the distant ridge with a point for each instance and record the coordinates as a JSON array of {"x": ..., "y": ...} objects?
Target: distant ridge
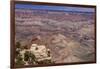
[{"x": 56, "y": 10}]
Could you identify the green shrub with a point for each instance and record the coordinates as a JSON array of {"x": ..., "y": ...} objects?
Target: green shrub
[
  {"x": 45, "y": 62},
  {"x": 18, "y": 44},
  {"x": 26, "y": 56},
  {"x": 19, "y": 60}
]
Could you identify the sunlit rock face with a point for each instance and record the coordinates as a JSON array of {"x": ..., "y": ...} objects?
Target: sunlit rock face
[{"x": 40, "y": 52}]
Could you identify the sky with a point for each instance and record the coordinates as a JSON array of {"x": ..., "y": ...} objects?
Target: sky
[{"x": 57, "y": 8}]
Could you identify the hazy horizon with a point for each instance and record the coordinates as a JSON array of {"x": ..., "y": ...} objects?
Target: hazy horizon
[{"x": 53, "y": 8}]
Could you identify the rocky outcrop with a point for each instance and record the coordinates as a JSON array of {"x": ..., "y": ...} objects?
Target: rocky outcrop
[
  {"x": 36, "y": 54},
  {"x": 41, "y": 52}
]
